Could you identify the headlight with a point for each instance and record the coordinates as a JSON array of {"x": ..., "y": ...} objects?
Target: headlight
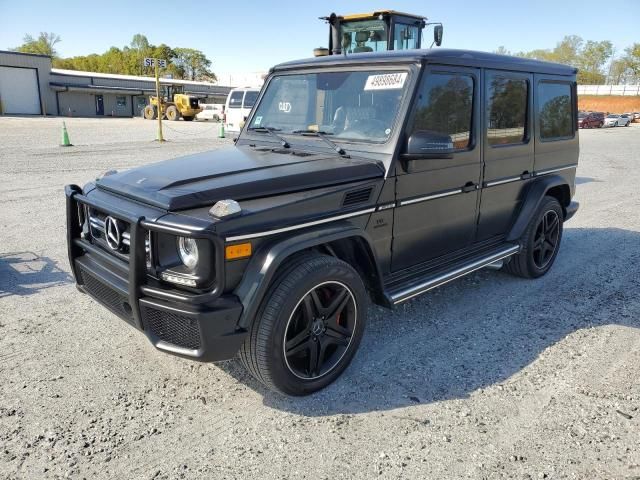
[{"x": 188, "y": 250}]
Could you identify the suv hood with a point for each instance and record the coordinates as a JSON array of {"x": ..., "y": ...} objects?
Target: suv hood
[{"x": 238, "y": 173}]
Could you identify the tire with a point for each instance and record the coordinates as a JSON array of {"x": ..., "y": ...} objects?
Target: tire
[
  {"x": 150, "y": 112},
  {"x": 173, "y": 113},
  {"x": 535, "y": 259},
  {"x": 290, "y": 317},
  {"x": 187, "y": 119}
]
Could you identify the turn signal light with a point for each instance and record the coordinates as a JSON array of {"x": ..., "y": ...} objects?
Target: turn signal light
[{"x": 241, "y": 250}]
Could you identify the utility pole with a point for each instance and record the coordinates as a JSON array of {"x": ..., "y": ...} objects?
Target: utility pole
[{"x": 160, "y": 137}]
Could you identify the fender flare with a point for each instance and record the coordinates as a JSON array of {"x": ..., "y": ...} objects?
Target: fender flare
[
  {"x": 262, "y": 268},
  {"x": 535, "y": 193}
]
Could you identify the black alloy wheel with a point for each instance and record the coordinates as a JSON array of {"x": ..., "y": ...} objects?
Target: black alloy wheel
[
  {"x": 540, "y": 241},
  {"x": 546, "y": 239},
  {"x": 309, "y": 325},
  {"x": 320, "y": 330}
]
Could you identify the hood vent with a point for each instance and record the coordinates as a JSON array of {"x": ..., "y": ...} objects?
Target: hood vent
[{"x": 357, "y": 197}]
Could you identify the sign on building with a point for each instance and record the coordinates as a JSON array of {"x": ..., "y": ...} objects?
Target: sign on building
[{"x": 151, "y": 62}]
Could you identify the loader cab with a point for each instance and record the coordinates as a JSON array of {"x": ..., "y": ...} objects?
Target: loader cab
[{"x": 376, "y": 32}]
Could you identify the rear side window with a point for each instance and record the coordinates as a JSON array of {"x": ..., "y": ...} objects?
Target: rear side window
[
  {"x": 555, "y": 115},
  {"x": 507, "y": 110},
  {"x": 235, "y": 101},
  {"x": 445, "y": 106},
  {"x": 250, "y": 99}
]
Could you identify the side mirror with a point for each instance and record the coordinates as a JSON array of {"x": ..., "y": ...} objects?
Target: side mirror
[
  {"x": 438, "y": 31},
  {"x": 427, "y": 144}
]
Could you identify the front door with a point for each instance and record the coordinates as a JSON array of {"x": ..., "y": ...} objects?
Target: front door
[
  {"x": 99, "y": 105},
  {"x": 437, "y": 199},
  {"x": 508, "y": 150}
]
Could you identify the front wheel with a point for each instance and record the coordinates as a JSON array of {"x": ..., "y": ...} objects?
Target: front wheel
[
  {"x": 173, "y": 113},
  {"x": 309, "y": 326},
  {"x": 540, "y": 241},
  {"x": 150, "y": 112}
]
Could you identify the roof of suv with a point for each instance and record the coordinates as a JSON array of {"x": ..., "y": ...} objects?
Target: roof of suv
[{"x": 446, "y": 56}]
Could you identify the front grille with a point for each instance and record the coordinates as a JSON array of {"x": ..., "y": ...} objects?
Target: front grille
[
  {"x": 98, "y": 236},
  {"x": 106, "y": 295},
  {"x": 178, "y": 330}
]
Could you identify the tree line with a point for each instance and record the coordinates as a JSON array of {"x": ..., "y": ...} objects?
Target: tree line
[
  {"x": 183, "y": 63},
  {"x": 596, "y": 61}
]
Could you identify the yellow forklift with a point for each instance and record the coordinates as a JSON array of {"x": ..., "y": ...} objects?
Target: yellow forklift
[
  {"x": 173, "y": 105},
  {"x": 376, "y": 32}
]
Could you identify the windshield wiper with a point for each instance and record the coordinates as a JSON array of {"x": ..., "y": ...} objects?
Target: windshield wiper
[
  {"x": 323, "y": 135},
  {"x": 271, "y": 131}
]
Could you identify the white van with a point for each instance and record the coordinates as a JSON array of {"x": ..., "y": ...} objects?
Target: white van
[{"x": 239, "y": 104}]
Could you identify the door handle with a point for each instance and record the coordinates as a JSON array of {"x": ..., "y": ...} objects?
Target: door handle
[
  {"x": 469, "y": 187},
  {"x": 526, "y": 174}
]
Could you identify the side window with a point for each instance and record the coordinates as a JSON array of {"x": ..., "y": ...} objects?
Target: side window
[
  {"x": 555, "y": 115},
  {"x": 445, "y": 107},
  {"x": 235, "y": 101},
  {"x": 250, "y": 99},
  {"x": 507, "y": 110}
]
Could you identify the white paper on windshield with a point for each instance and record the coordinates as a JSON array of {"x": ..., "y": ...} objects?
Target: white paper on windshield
[{"x": 385, "y": 81}]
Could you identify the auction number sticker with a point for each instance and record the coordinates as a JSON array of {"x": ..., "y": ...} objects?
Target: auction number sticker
[{"x": 385, "y": 81}]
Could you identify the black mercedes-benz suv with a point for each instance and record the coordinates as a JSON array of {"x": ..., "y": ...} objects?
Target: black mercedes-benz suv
[{"x": 372, "y": 176}]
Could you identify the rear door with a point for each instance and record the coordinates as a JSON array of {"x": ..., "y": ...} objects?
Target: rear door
[
  {"x": 508, "y": 150},
  {"x": 437, "y": 198}
]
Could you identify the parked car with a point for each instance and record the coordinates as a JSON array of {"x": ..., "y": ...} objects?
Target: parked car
[
  {"x": 345, "y": 186},
  {"x": 211, "y": 111},
  {"x": 614, "y": 120},
  {"x": 239, "y": 104},
  {"x": 591, "y": 120}
]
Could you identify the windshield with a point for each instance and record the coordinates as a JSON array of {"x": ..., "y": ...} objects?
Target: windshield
[
  {"x": 348, "y": 105},
  {"x": 612, "y": 116},
  {"x": 364, "y": 36}
]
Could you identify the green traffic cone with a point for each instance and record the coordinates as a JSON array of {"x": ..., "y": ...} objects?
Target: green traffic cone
[
  {"x": 221, "y": 130},
  {"x": 65, "y": 137}
]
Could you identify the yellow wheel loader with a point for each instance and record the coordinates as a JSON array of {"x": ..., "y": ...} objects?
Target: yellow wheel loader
[{"x": 173, "y": 105}]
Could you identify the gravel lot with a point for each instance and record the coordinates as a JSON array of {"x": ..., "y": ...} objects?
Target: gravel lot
[{"x": 487, "y": 377}]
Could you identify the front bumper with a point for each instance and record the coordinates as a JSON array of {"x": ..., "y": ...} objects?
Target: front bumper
[{"x": 198, "y": 326}]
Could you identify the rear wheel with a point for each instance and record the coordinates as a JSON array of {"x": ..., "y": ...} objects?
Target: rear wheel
[
  {"x": 187, "y": 119},
  {"x": 150, "y": 112},
  {"x": 540, "y": 242},
  {"x": 172, "y": 113},
  {"x": 309, "y": 326}
]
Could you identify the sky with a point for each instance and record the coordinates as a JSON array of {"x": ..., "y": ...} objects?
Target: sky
[{"x": 252, "y": 36}]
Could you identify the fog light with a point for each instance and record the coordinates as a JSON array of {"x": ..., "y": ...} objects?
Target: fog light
[
  {"x": 168, "y": 277},
  {"x": 188, "y": 250}
]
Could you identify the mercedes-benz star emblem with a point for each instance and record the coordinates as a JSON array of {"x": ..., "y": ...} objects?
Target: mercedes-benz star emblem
[{"x": 112, "y": 233}]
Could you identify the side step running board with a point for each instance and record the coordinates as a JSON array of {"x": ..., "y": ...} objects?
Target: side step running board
[{"x": 460, "y": 270}]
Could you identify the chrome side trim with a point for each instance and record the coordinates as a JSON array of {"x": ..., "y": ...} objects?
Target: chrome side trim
[
  {"x": 300, "y": 225},
  {"x": 385, "y": 207},
  {"x": 416, "y": 290},
  {"x": 552, "y": 170},
  {"x": 503, "y": 181},
  {"x": 430, "y": 197}
]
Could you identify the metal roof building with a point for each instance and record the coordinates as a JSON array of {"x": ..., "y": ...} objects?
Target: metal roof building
[{"x": 29, "y": 85}]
